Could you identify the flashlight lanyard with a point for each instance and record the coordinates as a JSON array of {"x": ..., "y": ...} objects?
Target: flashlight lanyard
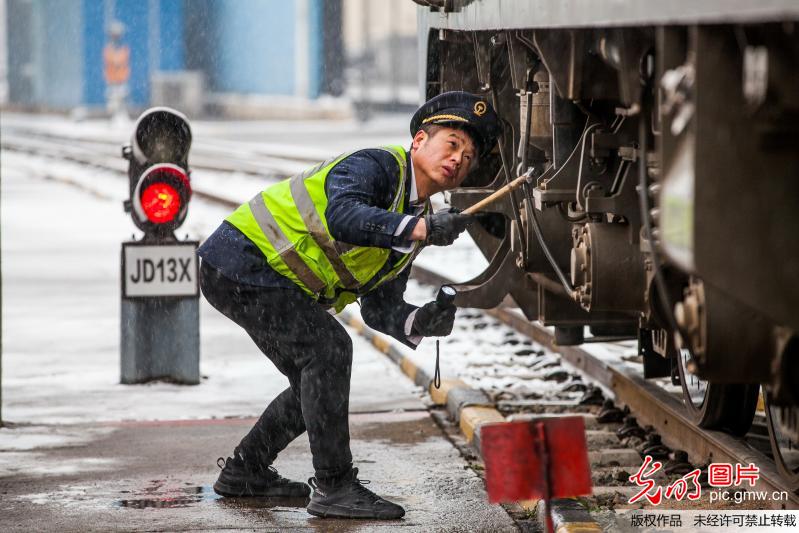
[
  {"x": 446, "y": 296},
  {"x": 437, "y": 374}
]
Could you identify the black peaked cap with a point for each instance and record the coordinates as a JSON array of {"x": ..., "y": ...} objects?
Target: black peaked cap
[{"x": 463, "y": 109}]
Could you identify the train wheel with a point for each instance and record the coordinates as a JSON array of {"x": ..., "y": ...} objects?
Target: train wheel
[
  {"x": 783, "y": 432},
  {"x": 728, "y": 407}
]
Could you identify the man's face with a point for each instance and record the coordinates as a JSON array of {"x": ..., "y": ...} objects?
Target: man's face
[{"x": 442, "y": 160}]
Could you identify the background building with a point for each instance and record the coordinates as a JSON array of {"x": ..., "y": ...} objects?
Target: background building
[
  {"x": 380, "y": 41},
  {"x": 234, "y": 57}
]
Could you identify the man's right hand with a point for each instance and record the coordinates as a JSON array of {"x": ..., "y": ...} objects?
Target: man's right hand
[{"x": 445, "y": 226}]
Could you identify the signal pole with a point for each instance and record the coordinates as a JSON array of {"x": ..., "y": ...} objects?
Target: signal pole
[{"x": 160, "y": 337}]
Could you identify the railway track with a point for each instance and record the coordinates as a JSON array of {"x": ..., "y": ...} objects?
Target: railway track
[
  {"x": 656, "y": 410},
  {"x": 649, "y": 403},
  {"x": 217, "y": 156}
]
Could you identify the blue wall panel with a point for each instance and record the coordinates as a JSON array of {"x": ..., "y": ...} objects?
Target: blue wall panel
[
  {"x": 249, "y": 47},
  {"x": 256, "y": 46},
  {"x": 93, "y": 42},
  {"x": 171, "y": 42},
  {"x": 134, "y": 15},
  {"x": 315, "y": 51}
]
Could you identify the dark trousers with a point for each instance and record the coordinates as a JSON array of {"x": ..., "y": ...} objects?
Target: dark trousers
[{"x": 313, "y": 351}]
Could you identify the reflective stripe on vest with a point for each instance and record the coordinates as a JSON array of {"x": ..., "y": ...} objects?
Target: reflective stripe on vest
[
  {"x": 308, "y": 255},
  {"x": 284, "y": 248},
  {"x": 317, "y": 230}
]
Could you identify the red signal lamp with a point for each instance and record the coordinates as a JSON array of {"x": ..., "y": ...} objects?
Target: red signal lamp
[
  {"x": 161, "y": 197},
  {"x": 160, "y": 202}
]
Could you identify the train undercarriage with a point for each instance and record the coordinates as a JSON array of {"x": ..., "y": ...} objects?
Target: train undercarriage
[{"x": 662, "y": 157}]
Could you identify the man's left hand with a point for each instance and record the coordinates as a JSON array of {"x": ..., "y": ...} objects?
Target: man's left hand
[{"x": 434, "y": 320}]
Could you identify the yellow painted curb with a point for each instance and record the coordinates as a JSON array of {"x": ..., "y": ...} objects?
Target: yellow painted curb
[
  {"x": 579, "y": 527},
  {"x": 408, "y": 368},
  {"x": 356, "y": 324},
  {"x": 439, "y": 396},
  {"x": 381, "y": 344},
  {"x": 568, "y": 527},
  {"x": 470, "y": 417},
  {"x": 761, "y": 403},
  {"x": 473, "y": 417},
  {"x": 529, "y": 505}
]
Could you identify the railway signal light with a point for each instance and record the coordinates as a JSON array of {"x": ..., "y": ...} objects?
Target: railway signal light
[
  {"x": 160, "y": 186},
  {"x": 160, "y": 321}
]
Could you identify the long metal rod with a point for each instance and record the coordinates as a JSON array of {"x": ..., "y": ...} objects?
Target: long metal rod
[{"x": 531, "y": 14}]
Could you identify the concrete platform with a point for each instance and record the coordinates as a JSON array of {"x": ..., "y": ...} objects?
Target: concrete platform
[{"x": 158, "y": 475}]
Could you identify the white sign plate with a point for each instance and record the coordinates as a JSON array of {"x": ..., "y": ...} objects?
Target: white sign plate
[{"x": 159, "y": 270}]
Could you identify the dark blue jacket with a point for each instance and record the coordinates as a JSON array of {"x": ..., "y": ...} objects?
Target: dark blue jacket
[{"x": 359, "y": 190}]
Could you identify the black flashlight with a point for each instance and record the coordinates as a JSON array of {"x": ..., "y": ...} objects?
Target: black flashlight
[{"x": 446, "y": 296}]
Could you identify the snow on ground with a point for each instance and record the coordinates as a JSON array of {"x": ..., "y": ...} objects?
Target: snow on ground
[
  {"x": 22, "y": 438},
  {"x": 484, "y": 352},
  {"x": 61, "y": 302},
  {"x": 313, "y": 139}
]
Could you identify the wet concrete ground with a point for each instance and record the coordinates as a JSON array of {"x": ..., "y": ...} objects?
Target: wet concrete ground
[
  {"x": 101, "y": 473},
  {"x": 158, "y": 476}
]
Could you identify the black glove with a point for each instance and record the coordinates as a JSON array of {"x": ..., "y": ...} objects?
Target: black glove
[
  {"x": 433, "y": 320},
  {"x": 445, "y": 226}
]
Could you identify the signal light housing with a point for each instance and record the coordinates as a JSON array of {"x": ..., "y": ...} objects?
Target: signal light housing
[
  {"x": 159, "y": 175},
  {"x": 161, "y": 199}
]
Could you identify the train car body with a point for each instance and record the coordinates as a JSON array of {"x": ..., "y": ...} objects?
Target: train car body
[{"x": 661, "y": 142}]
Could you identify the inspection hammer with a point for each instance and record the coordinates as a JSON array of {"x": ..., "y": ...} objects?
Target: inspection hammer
[{"x": 499, "y": 193}]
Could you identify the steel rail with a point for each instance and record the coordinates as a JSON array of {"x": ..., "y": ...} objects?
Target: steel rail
[
  {"x": 203, "y": 157},
  {"x": 651, "y": 404},
  {"x": 225, "y": 147}
]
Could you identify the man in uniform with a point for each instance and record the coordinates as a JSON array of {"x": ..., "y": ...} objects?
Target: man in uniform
[{"x": 347, "y": 229}]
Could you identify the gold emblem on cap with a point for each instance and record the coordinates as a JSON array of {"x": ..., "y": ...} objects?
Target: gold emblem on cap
[
  {"x": 443, "y": 118},
  {"x": 480, "y": 108}
]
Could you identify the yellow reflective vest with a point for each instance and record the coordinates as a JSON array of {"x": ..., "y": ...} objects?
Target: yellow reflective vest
[{"x": 287, "y": 223}]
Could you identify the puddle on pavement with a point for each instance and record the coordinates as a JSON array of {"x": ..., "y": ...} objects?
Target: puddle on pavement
[
  {"x": 188, "y": 496},
  {"x": 275, "y": 505},
  {"x": 182, "y": 497}
]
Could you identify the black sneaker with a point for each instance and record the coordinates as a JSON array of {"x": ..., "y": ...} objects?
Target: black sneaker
[
  {"x": 351, "y": 500},
  {"x": 237, "y": 480}
]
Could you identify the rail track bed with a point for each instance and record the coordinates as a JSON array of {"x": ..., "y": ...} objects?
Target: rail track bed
[{"x": 625, "y": 414}]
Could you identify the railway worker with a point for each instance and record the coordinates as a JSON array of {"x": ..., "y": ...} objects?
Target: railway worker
[
  {"x": 116, "y": 69},
  {"x": 348, "y": 228}
]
